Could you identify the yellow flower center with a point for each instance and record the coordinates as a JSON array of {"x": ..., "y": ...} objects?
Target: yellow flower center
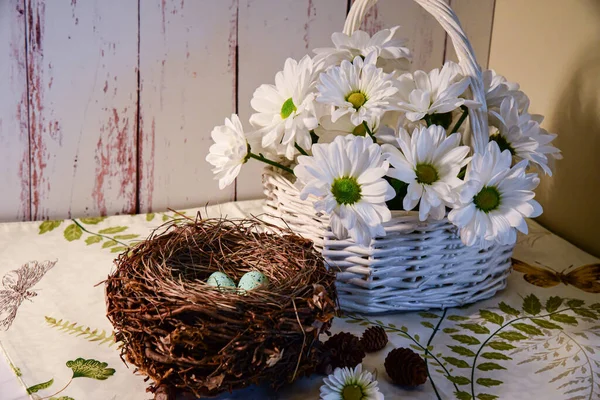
[
  {"x": 287, "y": 108},
  {"x": 346, "y": 190},
  {"x": 357, "y": 99},
  {"x": 360, "y": 130},
  {"x": 488, "y": 199},
  {"x": 352, "y": 392},
  {"x": 426, "y": 174}
]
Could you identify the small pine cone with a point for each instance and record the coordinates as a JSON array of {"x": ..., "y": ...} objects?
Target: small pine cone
[
  {"x": 344, "y": 350},
  {"x": 405, "y": 367},
  {"x": 374, "y": 339}
]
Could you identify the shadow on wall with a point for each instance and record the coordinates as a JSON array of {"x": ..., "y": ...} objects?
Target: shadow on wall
[{"x": 571, "y": 197}]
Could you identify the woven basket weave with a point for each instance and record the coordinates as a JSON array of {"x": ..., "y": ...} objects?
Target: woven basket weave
[{"x": 417, "y": 265}]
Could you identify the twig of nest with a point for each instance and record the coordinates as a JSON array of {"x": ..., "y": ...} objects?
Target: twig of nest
[{"x": 185, "y": 334}]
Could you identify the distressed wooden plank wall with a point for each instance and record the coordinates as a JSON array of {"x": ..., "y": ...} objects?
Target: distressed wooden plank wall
[{"x": 106, "y": 112}]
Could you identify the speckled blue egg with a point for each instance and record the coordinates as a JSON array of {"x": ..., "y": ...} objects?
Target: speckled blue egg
[
  {"x": 252, "y": 280},
  {"x": 221, "y": 281}
]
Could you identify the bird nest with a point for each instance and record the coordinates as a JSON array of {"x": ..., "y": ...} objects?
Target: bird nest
[{"x": 186, "y": 335}]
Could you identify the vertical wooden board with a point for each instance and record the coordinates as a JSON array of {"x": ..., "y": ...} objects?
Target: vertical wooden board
[
  {"x": 476, "y": 18},
  {"x": 425, "y": 36},
  {"x": 187, "y": 75},
  {"x": 269, "y": 32},
  {"x": 82, "y": 59},
  {"x": 14, "y": 132}
]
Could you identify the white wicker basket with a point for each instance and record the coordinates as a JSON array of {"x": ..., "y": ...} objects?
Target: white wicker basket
[{"x": 417, "y": 265}]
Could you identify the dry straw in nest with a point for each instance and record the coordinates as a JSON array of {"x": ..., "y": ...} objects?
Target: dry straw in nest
[{"x": 185, "y": 334}]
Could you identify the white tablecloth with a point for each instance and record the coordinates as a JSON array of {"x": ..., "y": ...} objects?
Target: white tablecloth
[{"x": 527, "y": 342}]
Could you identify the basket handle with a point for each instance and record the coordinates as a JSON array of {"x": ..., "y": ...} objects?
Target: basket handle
[{"x": 466, "y": 59}]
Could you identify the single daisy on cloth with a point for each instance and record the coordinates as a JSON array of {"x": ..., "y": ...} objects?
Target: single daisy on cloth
[
  {"x": 347, "y": 179},
  {"x": 229, "y": 152},
  {"x": 357, "y": 88},
  {"x": 392, "y": 55},
  {"x": 433, "y": 95},
  {"x": 429, "y": 161},
  {"x": 350, "y": 384},
  {"x": 495, "y": 199},
  {"x": 286, "y": 111}
]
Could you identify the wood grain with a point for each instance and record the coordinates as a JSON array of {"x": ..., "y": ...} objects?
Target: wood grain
[
  {"x": 270, "y": 32},
  {"x": 82, "y": 61},
  {"x": 14, "y": 129},
  {"x": 476, "y": 18},
  {"x": 188, "y": 82}
]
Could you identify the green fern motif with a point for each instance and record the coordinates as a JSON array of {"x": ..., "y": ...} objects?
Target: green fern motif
[{"x": 72, "y": 328}]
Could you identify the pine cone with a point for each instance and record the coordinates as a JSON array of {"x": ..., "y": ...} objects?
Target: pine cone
[
  {"x": 405, "y": 367},
  {"x": 374, "y": 339},
  {"x": 344, "y": 350}
]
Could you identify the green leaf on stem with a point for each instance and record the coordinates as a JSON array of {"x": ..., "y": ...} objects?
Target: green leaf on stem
[
  {"x": 532, "y": 305},
  {"x": 475, "y": 328},
  {"x": 553, "y": 303},
  {"x": 491, "y": 317}
]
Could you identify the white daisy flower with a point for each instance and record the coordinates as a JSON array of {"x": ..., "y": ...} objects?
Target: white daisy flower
[
  {"x": 359, "y": 89},
  {"x": 229, "y": 152},
  {"x": 285, "y": 111},
  {"x": 522, "y": 135},
  {"x": 347, "y": 177},
  {"x": 350, "y": 384},
  {"x": 429, "y": 162},
  {"x": 328, "y": 130},
  {"x": 495, "y": 199},
  {"x": 389, "y": 47},
  {"x": 497, "y": 88},
  {"x": 431, "y": 96}
]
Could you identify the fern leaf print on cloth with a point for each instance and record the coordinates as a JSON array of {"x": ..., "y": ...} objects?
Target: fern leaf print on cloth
[{"x": 16, "y": 287}]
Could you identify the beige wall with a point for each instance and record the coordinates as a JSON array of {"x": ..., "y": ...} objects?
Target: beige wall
[{"x": 552, "y": 48}]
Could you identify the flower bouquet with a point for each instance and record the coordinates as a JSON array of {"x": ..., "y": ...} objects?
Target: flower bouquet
[{"x": 414, "y": 184}]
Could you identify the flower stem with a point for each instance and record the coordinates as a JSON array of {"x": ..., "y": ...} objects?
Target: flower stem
[
  {"x": 461, "y": 119},
  {"x": 369, "y": 131},
  {"x": 494, "y": 334},
  {"x": 52, "y": 395},
  {"x": 273, "y": 163},
  {"x": 300, "y": 149},
  {"x": 98, "y": 234}
]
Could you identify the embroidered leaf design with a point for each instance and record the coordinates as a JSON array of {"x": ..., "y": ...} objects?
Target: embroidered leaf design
[
  {"x": 466, "y": 339},
  {"x": 485, "y": 396},
  {"x": 553, "y": 303},
  {"x": 495, "y": 356},
  {"x": 85, "y": 331},
  {"x": 93, "y": 369},
  {"x": 149, "y": 217},
  {"x": 48, "y": 226},
  {"x": 126, "y": 237},
  {"x": 428, "y": 315},
  {"x": 92, "y": 221},
  {"x": 575, "y": 303},
  {"x": 463, "y": 351},
  {"x": 508, "y": 309},
  {"x": 108, "y": 244},
  {"x": 62, "y": 398},
  {"x": 585, "y": 313},
  {"x": 16, "y": 370},
  {"x": 529, "y": 329},
  {"x": 564, "y": 318},
  {"x": 532, "y": 305},
  {"x": 545, "y": 324},
  {"x": 112, "y": 230},
  {"x": 123, "y": 248},
  {"x": 491, "y": 317},
  {"x": 475, "y": 328},
  {"x": 93, "y": 239},
  {"x": 459, "y": 380},
  {"x": 450, "y": 330},
  {"x": 427, "y": 324},
  {"x": 487, "y": 382},
  {"x": 463, "y": 395},
  {"x": 501, "y": 346},
  {"x": 458, "y": 318},
  {"x": 40, "y": 386},
  {"x": 73, "y": 232},
  {"x": 595, "y": 306},
  {"x": 457, "y": 362},
  {"x": 489, "y": 366},
  {"x": 512, "y": 336}
]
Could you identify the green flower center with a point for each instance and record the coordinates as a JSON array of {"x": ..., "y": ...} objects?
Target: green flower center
[
  {"x": 352, "y": 392},
  {"x": 287, "y": 108},
  {"x": 444, "y": 119},
  {"x": 346, "y": 190},
  {"x": 357, "y": 99},
  {"x": 360, "y": 130},
  {"x": 503, "y": 144},
  {"x": 488, "y": 199},
  {"x": 426, "y": 174}
]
